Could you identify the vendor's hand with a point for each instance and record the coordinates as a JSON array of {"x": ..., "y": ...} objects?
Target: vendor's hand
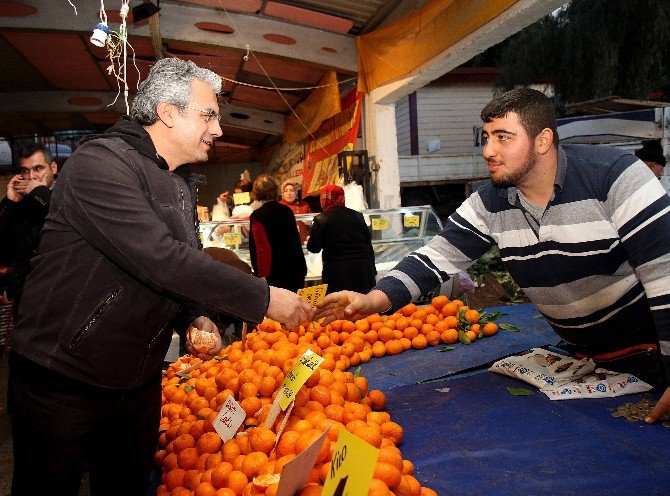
[
  {"x": 204, "y": 325},
  {"x": 661, "y": 408},
  {"x": 288, "y": 308},
  {"x": 12, "y": 192},
  {"x": 25, "y": 186},
  {"x": 350, "y": 305}
]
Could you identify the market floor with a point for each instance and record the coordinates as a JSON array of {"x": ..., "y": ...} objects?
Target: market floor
[{"x": 6, "y": 460}]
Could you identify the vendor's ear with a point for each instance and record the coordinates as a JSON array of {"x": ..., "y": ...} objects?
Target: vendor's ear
[{"x": 544, "y": 141}]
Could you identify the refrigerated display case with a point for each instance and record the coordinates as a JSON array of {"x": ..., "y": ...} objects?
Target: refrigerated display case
[{"x": 395, "y": 233}]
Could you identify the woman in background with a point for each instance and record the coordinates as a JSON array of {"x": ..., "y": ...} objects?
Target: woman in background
[
  {"x": 274, "y": 242},
  {"x": 348, "y": 257},
  {"x": 289, "y": 197}
]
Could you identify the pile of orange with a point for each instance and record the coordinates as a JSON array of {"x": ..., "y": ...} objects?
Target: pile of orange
[{"x": 195, "y": 462}]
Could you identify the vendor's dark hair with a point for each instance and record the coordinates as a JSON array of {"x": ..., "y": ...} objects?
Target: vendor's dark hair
[
  {"x": 536, "y": 111},
  {"x": 265, "y": 188},
  {"x": 245, "y": 185}
]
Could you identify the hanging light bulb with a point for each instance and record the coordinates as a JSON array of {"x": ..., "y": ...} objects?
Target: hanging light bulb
[{"x": 100, "y": 34}]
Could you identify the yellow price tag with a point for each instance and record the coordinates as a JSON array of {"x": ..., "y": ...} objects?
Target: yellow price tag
[
  {"x": 313, "y": 294},
  {"x": 412, "y": 220},
  {"x": 352, "y": 467},
  {"x": 232, "y": 239},
  {"x": 380, "y": 224},
  {"x": 241, "y": 198},
  {"x": 298, "y": 375}
]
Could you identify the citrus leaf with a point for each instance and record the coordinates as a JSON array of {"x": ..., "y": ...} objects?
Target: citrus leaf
[
  {"x": 182, "y": 376},
  {"x": 221, "y": 358},
  {"x": 188, "y": 389},
  {"x": 538, "y": 316},
  {"x": 519, "y": 391},
  {"x": 463, "y": 338},
  {"x": 509, "y": 327},
  {"x": 447, "y": 348},
  {"x": 357, "y": 372}
]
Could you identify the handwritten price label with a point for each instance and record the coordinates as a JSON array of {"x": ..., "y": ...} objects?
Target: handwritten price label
[
  {"x": 313, "y": 294},
  {"x": 232, "y": 239},
  {"x": 380, "y": 224},
  {"x": 241, "y": 198},
  {"x": 298, "y": 375},
  {"x": 352, "y": 467},
  {"x": 229, "y": 419},
  {"x": 412, "y": 220}
]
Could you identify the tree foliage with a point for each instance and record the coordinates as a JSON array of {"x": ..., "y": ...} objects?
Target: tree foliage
[{"x": 592, "y": 49}]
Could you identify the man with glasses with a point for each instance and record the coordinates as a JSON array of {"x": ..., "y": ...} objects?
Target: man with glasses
[
  {"x": 22, "y": 213},
  {"x": 120, "y": 263}
]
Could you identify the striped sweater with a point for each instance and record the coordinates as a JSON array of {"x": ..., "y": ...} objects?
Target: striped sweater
[{"x": 598, "y": 266}]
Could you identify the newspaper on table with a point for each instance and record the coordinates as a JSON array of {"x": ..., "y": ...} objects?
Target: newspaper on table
[{"x": 561, "y": 377}]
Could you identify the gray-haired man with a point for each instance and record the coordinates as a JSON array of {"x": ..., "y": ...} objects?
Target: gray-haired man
[{"x": 119, "y": 260}]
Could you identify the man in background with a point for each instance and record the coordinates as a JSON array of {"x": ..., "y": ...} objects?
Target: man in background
[
  {"x": 651, "y": 154},
  {"x": 22, "y": 213}
]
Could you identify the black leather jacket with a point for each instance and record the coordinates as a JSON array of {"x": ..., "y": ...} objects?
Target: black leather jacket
[{"x": 117, "y": 262}]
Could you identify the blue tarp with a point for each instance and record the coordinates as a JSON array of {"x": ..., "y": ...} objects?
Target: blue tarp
[
  {"x": 477, "y": 438},
  {"x": 415, "y": 366}
]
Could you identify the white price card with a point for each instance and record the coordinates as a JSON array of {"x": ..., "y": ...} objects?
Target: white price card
[{"x": 229, "y": 419}]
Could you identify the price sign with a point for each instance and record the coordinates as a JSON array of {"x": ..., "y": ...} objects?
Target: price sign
[
  {"x": 295, "y": 473},
  {"x": 241, "y": 198},
  {"x": 352, "y": 467},
  {"x": 313, "y": 294},
  {"x": 297, "y": 376},
  {"x": 232, "y": 239},
  {"x": 380, "y": 224},
  {"x": 411, "y": 220},
  {"x": 229, "y": 419}
]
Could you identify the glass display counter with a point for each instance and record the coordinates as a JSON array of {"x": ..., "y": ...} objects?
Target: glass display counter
[{"x": 394, "y": 232}]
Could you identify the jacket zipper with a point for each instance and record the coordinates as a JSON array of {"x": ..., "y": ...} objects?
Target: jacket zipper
[{"x": 101, "y": 309}]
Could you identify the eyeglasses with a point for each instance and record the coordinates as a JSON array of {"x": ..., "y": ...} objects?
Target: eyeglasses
[{"x": 211, "y": 115}]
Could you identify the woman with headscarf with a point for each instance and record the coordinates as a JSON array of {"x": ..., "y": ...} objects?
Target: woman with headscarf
[
  {"x": 289, "y": 197},
  {"x": 274, "y": 243},
  {"x": 348, "y": 257}
]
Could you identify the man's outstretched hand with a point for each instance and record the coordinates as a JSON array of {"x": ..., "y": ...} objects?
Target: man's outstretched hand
[{"x": 351, "y": 305}]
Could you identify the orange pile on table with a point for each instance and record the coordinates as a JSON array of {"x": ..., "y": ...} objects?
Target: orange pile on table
[{"x": 195, "y": 462}]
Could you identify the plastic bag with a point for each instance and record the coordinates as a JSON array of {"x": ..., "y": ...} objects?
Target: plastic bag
[
  {"x": 220, "y": 211},
  {"x": 354, "y": 197}
]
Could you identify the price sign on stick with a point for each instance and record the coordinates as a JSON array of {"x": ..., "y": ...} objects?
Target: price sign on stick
[
  {"x": 296, "y": 472},
  {"x": 241, "y": 198},
  {"x": 411, "y": 220},
  {"x": 352, "y": 467},
  {"x": 313, "y": 294},
  {"x": 229, "y": 419},
  {"x": 232, "y": 239},
  {"x": 297, "y": 376},
  {"x": 380, "y": 224}
]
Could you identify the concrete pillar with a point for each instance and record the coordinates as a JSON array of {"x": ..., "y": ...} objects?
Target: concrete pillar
[{"x": 382, "y": 145}]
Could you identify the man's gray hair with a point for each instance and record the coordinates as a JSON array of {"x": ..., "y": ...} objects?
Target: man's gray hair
[{"x": 169, "y": 81}]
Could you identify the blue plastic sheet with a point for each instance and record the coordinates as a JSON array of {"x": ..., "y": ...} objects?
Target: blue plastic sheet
[
  {"x": 414, "y": 366},
  {"x": 477, "y": 438}
]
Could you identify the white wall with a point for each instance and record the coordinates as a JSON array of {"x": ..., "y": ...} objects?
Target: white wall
[
  {"x": 402, "y": 125},
  {"x": 448, "y": 113}
]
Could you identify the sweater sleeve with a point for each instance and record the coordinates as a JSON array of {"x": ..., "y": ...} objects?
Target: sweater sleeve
[
  {"x": 463, "y": 240},
  {"x": 640, "y": 211},
  {"x": 315, "y": 241}
]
